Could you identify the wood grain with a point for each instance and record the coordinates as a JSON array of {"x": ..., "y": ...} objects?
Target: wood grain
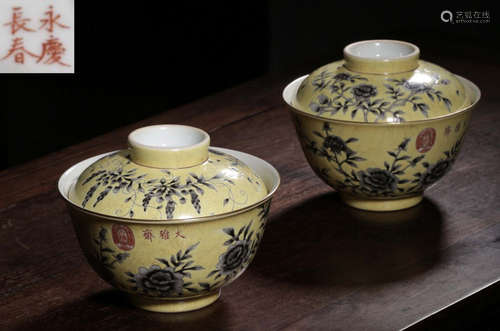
[{"x": 321, "y": 264}]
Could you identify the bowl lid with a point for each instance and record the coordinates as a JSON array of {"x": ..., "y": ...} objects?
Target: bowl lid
[
  {"x": 381, "y": 81},
  {"x": 169, "y": 172}
]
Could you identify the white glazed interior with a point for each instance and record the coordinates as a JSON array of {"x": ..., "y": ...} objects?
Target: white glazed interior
[
  {"x": 167, "y": 136},
  {"x": 381, "y": 49},
  {"x": 290, "y": 91},
  {"x": 266, "y": 171}
]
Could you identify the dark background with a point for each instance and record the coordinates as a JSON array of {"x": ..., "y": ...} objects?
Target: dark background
[{"x": 140, "y": 58}]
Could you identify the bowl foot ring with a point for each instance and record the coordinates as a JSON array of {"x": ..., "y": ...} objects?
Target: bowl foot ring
[
  {"x": 381, "y": 205},
  {"x": 173, "y": 306}
]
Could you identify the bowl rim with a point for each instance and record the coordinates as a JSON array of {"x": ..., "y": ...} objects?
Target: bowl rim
[
  {"x": 61, "y": 184},
  {"x": 414, "y": 53},
  {"x": 457, "y": 112}
]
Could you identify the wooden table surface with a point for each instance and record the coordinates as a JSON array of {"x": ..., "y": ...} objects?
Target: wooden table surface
[{"x": 321, "y": 265}]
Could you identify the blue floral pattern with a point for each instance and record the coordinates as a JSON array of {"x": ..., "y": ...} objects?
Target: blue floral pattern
[
  {"x": 355, "y": 95},
  {"x": 386, "y": 180}
]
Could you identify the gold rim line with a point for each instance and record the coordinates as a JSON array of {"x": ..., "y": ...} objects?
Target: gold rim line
[
  {"x": 268, "y": 197},
  {"x": 407, "y": 123}
]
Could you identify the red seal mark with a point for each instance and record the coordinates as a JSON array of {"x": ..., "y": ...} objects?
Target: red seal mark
[
  {"x": 123, "y": 237},
  {"x": 426, "y": 139}
]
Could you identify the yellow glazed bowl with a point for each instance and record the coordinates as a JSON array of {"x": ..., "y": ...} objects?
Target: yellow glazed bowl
[
  {"x": 381, "y": 126},
  {"x": 171, "y": 264}
]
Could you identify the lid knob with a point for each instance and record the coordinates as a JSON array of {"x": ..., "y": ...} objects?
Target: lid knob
[
  {"x": 381, "y": 56},
  {"x": 168, "y": 146}
]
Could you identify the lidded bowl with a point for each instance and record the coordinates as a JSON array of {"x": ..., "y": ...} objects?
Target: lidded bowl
[
  {"x": 169, "y": 172},
  {"x": 170, "y": 221},
  {"x": 381, "y": 125}
]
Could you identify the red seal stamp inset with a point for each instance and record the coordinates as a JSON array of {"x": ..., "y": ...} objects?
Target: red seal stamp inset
[
  {"x": 426, "y": 139},
  {"x": 123, "y": 237}
]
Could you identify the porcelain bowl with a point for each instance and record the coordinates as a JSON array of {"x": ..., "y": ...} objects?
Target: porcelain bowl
[
  {"x": 172, "y": 265},
  {"x": 381, "y": 166}
]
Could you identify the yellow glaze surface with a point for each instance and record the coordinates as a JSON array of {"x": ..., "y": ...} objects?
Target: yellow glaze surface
[
  {"x": 171, "y": 265},
  {"x": 381, "y": 161},
  {"x": 116, "y": 186},
  {"x": 378, "y": 163},
  {"x": 381, "y": 168},
  {"x": 335, "y": 92}
]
